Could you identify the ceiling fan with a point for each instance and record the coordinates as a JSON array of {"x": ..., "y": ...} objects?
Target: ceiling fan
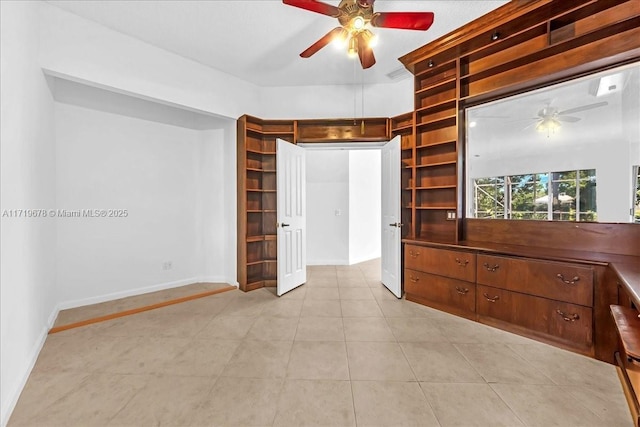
[
  {"x": 550, "y": 118},
  {"x": 353, "y": 16}
]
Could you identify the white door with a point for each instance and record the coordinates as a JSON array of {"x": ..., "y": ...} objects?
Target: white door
[
  {"x": 291, "y": 205},
  {"x": 391, "y": 226}
]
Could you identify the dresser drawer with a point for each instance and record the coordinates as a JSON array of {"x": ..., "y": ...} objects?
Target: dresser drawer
[
  {"x": 562, "y": 281},
  {"x": 444, "y": 291},
  {"x": 443, "y": 262},
  {"x": 569, "y": 322},
  {"x": 413, "y": 256}
]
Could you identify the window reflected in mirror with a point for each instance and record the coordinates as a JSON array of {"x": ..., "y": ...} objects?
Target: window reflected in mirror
[
  {"x": 558, "y": 196},
  {"x": 539, "y": 155}
]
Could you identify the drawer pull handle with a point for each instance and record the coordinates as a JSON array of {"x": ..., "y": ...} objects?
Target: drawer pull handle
[
  {"x": 414, "y": 254},
  {"x": 462, "y": 263},
  {"x": 490, "y": 299},
  {"x": 461, "y": 291},
  {"x": 568, "y": 317},
  {"x": 489, "y": 268},
  {"x": 568, "y": 282},
  {"x": 414, "y": 279}
]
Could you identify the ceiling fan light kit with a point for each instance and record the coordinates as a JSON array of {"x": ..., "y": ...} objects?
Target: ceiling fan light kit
[{"x": 354, "y": 16}]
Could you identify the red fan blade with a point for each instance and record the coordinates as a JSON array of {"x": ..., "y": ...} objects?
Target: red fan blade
[
  {"x": 365, "y": 53},
  {"x": 403, "y": 20},
  {"x": 328, "y": 38},
  {"x": 315, "y": 6}
]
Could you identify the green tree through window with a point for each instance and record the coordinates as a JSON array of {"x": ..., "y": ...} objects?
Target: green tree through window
[{"x": 558, "y": 196}]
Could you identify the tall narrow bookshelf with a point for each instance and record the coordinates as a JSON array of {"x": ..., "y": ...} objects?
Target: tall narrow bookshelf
[
  {"x": 436, "y": 151},
  {"x": 402, "y": 125},
  {"x": 257, "y": 219}
]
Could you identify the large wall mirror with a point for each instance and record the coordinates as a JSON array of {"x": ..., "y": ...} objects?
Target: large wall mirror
[{"x": 568, "y": 152}]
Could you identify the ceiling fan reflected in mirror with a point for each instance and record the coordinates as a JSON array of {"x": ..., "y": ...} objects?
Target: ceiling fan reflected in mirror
[
  {"x": 354, "y": 17},
  {"x": 550, "y": 118}
]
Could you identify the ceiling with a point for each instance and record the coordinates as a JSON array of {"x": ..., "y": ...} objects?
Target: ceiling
[{"x": 260, "y": 41}]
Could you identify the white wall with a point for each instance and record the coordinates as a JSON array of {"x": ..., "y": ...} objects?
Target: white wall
[
  {"x": 327, "y": 192},
  {"x": 168, "y": 178},
  {"x": 88, "y": 52},
  {"x": 27, "y": 279},
  {"x": 308, "y": 102},
  {"x": 365, "y": 207}
]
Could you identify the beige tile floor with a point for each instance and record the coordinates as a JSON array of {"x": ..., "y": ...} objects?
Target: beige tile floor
[{"x": 339, "y": 351}]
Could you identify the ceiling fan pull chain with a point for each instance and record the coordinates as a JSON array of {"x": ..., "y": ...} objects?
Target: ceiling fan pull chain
[
  {"x": 362, "y": 100},
  {"x": 355, "y": 89}
]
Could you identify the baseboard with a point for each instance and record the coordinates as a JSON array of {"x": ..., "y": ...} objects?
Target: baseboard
[
  {"x": 328, "y": 262},
  {"x": 363, "y": 259},
  {"x": 128, "y": 293},
  {"x": 211, "y": 279},
  {"x": 218, "y": 279},
  {"x": 9, "y": 404}
]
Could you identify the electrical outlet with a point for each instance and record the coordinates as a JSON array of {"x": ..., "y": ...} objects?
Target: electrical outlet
[
  {"x": 338, "y": 212},
  {"x": 451, "y": 215},
  {"x": 167, "y": 265}
]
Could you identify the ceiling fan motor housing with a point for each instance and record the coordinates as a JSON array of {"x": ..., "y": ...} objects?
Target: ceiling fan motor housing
[{"x": 352, "y": 9}]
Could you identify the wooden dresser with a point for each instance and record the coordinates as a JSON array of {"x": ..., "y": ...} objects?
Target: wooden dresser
[
  {"x": 441, "y": 278},
  {"x": 541, "y": 298},
  {"x": 548, "y": 298}
]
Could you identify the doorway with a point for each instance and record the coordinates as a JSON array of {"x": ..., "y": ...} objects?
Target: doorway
[
  {"x": 371, "y": 184},
  {"x": 343, "y": 205}
]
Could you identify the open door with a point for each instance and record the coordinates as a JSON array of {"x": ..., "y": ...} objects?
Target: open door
[
  {"x": 391, "y": 226},
  {"x": 291, "y": 205}
]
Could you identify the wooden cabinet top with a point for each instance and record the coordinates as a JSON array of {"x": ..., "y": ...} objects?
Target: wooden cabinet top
[{"x": 627, "y": 267}]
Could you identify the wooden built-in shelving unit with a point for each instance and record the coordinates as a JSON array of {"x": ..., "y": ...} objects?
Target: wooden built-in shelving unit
[
  {"x": 403, "y": 125},
  {"x": 257, "y": 181},
  {"x": 257, "y": 250},
  {"x": 517, "y": 47}
]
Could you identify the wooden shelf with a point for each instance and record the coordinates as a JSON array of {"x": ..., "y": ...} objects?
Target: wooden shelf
[
  {"x": 433, "y": 144},
  {"x": 402, "y": 129},
  {"x": 555, "y": 49},
  {"x": 436, "y": 187},
  {"x": 505, "y": 43},
  {"x": 436, "y": 69},
  {"x": 444, "y": 119},
  {"x": 431, "y": 165},
  {"x": 434, "y": 87},
  {"x": 251, "y": 150},
  {"x": 434, "y": 208},
  {"x": 356, "y": 139},
  {"x": 437, "y": 105},
  {"x": 269, "y": 132}
]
